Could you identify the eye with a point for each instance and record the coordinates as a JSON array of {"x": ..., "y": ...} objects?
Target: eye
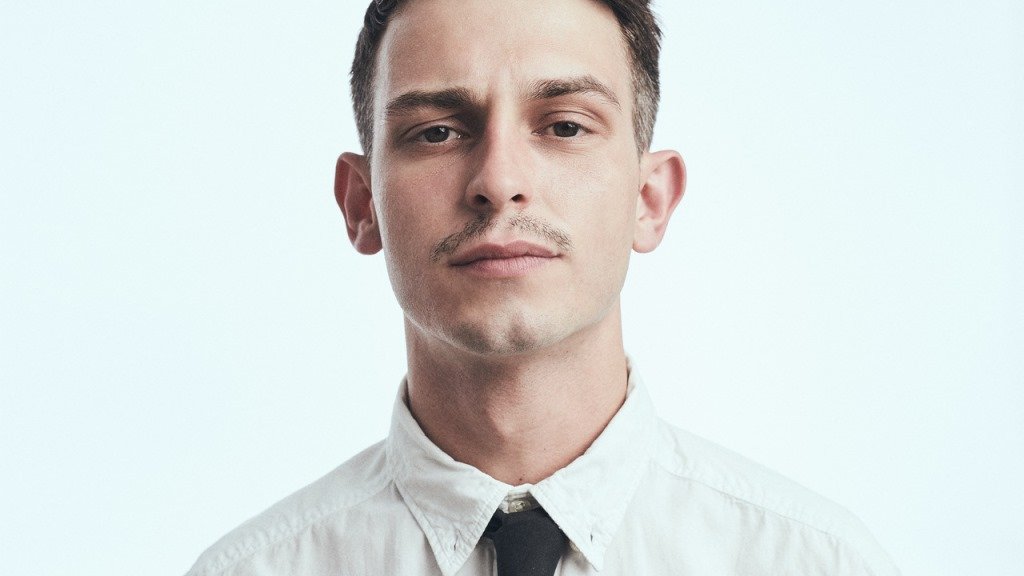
[
  {"x": 565, "y": 129},
  {"x": 438, "y": 134}
]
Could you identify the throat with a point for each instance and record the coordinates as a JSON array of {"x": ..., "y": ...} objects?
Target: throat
[{"x": 519, "y": 423}]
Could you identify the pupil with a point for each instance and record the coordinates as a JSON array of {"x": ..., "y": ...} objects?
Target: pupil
[
  {"x": 566, "y": 129},
  {"x": 436, "y": 134}
]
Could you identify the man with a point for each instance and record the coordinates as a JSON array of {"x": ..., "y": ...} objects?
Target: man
[{"x": 506, "y": 177}]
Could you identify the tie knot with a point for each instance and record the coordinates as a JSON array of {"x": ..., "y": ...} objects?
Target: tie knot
[{"x": 527, "y": 543}]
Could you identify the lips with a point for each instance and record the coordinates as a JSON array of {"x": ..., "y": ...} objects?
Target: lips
[
  {"x": 514, "y": 250},
  {"x": 502, "y": 261}
]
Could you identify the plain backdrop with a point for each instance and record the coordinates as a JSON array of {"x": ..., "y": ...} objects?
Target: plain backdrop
[{"x": 186, "y": 335}]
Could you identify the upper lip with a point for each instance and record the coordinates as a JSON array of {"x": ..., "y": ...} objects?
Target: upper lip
[{"x": 490, "y": 251}]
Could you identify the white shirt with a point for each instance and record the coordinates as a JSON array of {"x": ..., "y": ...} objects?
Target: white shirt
[{"x": 645, "y": 499}]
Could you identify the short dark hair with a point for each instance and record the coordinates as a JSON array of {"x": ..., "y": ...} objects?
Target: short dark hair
[{"x": 639, "y": 29}]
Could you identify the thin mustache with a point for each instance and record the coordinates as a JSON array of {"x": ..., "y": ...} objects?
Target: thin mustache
[{"x": 484, "y": 222}]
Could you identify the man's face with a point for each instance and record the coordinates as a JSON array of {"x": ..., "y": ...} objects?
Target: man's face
[{"x": 505, "y": 172}]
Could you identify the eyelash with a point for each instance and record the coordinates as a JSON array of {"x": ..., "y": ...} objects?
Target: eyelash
[
  {"x": 421, "y": 136},
  {"x": 580, "y": 128}
]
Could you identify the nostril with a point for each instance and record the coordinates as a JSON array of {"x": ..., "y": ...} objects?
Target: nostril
[
  {"x": 480, "y": 200},
  {"x": 518, "y": 198}
]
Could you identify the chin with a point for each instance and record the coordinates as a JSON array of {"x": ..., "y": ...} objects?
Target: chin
[{"x": 509, "y": 338}]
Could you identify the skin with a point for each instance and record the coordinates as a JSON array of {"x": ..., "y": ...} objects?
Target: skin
[{"x": 499, "y": 122}]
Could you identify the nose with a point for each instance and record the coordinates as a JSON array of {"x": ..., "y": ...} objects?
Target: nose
[{"x": 501, "y": 173}]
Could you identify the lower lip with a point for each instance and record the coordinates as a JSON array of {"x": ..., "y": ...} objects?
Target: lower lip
[{"x": 504, "y": 267}]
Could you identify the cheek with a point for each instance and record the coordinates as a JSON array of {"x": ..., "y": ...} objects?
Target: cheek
[
  {"x": 413, "y": 208},
  {"x": 597, "y": 198}
]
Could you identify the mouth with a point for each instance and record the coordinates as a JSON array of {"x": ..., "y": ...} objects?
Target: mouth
[{"x": 503, "y": 260}]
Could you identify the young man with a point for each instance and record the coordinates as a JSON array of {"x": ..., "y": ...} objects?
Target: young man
[{"x": 507, "y": 177}]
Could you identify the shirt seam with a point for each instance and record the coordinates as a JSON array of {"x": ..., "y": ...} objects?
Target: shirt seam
[
  {"x": 250, "y": 551},
  {"x": 847, "y": 544}
]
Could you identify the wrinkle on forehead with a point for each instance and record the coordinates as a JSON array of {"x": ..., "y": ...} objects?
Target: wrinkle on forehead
[{"x": 489, "y": 45}]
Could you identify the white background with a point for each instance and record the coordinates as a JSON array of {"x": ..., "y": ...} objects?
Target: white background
[{"x": 187, "y": 335}]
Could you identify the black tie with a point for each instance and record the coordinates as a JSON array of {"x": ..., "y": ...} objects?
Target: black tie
[{"x": 528, "y": 543}]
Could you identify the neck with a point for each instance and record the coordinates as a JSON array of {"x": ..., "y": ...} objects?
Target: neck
[{"x": 519, "y": 418}]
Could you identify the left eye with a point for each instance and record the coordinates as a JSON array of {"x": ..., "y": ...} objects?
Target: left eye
[
  {"x": 565, "y": 129},
  {"x": 438, "y": 134}
]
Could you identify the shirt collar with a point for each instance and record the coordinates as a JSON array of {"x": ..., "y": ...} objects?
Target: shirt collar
[{"x": 453, "y": 502}]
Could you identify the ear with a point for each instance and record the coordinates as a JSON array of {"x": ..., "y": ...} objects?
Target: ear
[
  {"x": 352, "y": 191},
  {"x": 663, "y": 182}
]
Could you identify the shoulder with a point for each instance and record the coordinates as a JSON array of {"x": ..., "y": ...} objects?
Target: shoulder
[
  {"x": 753, "y": 487},
  {"x": 344, "y": 489}
]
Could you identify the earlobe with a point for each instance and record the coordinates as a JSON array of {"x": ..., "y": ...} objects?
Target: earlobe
[
  {"x": 662, "y": 187},
  {"x": 352, "y": 191}
]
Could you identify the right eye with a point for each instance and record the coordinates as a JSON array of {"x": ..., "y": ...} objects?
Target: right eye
[{"x": 437, "y": 134}]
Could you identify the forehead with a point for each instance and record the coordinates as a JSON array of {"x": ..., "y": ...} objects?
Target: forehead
[{"x": 494, "y": 46}]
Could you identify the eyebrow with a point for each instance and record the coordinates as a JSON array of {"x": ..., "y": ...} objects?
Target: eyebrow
[
  {"x": 462, "y": 98},
  {"x": 587, "y": 84},
  {"x": 448, "y": 99}
]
